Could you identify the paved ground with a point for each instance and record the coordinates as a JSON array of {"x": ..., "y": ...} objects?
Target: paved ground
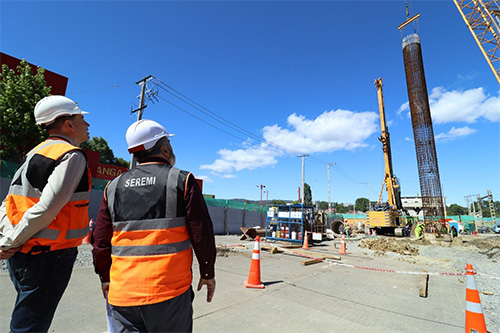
[{"x": 315, "y": 298}]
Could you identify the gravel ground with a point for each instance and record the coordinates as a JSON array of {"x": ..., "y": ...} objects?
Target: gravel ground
[
  {"x": 445, "y": 257},
  {"x": 482, "y": 251}
]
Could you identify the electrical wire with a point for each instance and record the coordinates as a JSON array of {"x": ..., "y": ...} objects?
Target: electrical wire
[{"x": 193, "y": 104}]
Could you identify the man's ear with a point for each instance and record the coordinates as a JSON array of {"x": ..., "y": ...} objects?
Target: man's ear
[{"x": 68, "y": 124}]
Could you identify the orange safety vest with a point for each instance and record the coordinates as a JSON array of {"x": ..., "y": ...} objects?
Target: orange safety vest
[
  {"x": 70, "y": 226},
  {"x": 150, "y": 249}
]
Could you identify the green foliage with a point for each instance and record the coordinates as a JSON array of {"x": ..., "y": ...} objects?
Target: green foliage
[
  {"x": 107, "y": 157},
  {"x": 278, "y": 202},
  {"x": 341, "y": 209},
  {"x": 323, "y": 205},
  {"x": 307, "y": 195},
  {"x": 121, "y": 162},
  {"x": 19, "y": 92},
  {"x": 455, "y": 209},
  {"x": 362, "y": 204}
]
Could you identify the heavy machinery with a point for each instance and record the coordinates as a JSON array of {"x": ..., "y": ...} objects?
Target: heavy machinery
[
  {"x": 483, "y": 20},
  {"x": 387, "y": 218}
]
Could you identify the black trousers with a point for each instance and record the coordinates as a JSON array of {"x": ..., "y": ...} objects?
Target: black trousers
[{"x": 173, "y": 315}]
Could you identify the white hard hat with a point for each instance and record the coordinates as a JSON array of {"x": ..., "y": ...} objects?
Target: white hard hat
[
  {"x": 143, "y": 135},
  {"x": 51, "y": 107}
]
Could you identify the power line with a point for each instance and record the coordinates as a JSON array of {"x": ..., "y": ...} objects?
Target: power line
[{"x": 223, "y": 121}]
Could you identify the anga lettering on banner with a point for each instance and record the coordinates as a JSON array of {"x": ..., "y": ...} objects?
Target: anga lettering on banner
[{"x": 106, "y": 171}]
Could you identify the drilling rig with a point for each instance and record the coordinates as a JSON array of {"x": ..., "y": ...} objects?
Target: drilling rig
[{"x": 387, "y": 218}]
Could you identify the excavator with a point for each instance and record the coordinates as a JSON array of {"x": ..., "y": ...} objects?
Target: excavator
[{"x": 387, "y": 218}]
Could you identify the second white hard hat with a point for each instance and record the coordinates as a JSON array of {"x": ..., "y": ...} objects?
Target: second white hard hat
[
  {"x": 51, "y": 107},
  {"x": 143, "y": 135}
]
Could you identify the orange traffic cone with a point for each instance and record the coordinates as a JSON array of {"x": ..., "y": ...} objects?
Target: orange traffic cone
[
  {"x": 306, "y": 242},
  {"x": 342, "y": 246},
  {"x": 86, "y": 239},
  {"x": 254, "y": 275},
  {"x": 474, "y": 318}
]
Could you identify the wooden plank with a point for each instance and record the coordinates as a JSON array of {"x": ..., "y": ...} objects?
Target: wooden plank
[
  {"x": 311, "y": 261},
  {"x": 423, "y": 285},
  {"x": 277, "y": 249}
]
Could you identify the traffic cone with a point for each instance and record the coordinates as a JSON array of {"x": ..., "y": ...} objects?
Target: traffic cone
[
  {"x": 474, "y": 318},
  {"x": 254, "y": 275},
  {"x": 306, "y": 242},
  {"x": 86, "y": 239},
  {"x": 342, "y": 246}
]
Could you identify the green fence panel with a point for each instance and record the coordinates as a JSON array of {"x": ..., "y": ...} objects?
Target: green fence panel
[{"x": 8, "y": 169}]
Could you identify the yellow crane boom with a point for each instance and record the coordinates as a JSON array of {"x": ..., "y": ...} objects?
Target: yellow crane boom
[{"x": 483, "y": 20}]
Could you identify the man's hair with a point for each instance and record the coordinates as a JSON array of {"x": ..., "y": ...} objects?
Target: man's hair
[
  {"x": 144, "y": 154},
  {"x": 58, "y": 122}
]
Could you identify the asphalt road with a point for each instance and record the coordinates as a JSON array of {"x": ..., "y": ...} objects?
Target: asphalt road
[{"x": 323, "y": 297}]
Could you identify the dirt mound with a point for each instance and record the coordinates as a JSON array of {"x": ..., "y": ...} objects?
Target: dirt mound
[{"x": 401, "y": 246}]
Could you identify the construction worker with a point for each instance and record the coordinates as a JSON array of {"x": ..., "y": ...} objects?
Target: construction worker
[
  {"x": 419, "y": 230},
  {"x": 45, "y": 214},
  {"x": 346, "y": 230},
  {"x": 150, "y": 220}
]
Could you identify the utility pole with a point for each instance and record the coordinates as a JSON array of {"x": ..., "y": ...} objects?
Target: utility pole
[
  {"x": 141, "y": 108},
  {"x": 493, "y": 214},
  {"x": 329, "y": 197},
  {"x": 303, "y": 168},
  {"x": 261, "y": 220},
  {"x": 261, "y": 187}
]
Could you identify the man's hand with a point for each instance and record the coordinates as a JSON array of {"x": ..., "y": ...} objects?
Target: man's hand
[
  {"x": 6, "y": 254},
  {"x": 105, "y": 289},
  {"x": 210, "y": 283}
]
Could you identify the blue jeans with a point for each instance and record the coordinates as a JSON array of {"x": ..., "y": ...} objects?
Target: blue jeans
[{"x": 40, "y": 281}]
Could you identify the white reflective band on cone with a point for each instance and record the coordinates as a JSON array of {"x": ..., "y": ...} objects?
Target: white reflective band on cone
[
  {"x": 255, "y": 256},
  {"x": 473, "y": 307},
  {"x": 471, "y": 283}
]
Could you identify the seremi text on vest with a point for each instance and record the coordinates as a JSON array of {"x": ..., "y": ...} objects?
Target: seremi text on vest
[{"x": 141, "y": 181}]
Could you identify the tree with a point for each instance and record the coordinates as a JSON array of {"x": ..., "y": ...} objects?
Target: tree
[
  {"x": 107, "y": 157},
  {"x": 323, "y": 205},
  {"x": 278, "y": 202},
  {"x": 362, "y": 204},
  {"x": 341, "y": 209},
  {"x": 19, "y": 93},
  {"x": 455, "y": 209},
  {"x": 307, "y": 195}
]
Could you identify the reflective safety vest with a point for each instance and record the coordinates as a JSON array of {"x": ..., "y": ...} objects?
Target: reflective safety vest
[
  {"x": 70, "y": 226},
  {"x": 150, "y": 249}
]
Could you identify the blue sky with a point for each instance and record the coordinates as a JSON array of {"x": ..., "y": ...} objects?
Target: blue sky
[{"x": 294, "y": 74}]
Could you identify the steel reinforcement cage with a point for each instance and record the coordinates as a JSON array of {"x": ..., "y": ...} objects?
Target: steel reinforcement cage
[{"x": 428, "y": 171}]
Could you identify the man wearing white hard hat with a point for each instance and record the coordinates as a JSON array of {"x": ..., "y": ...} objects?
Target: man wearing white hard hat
[
  {"x": 45, "y": 214},
  {"x": 150, "y": 220}
]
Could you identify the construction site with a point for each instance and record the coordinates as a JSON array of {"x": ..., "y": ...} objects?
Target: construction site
[{"x": 401, "y": 267}]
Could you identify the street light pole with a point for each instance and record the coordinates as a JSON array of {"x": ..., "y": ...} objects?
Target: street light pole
[
  {"x": 329, "y": 198},
  {"x": 303, "y": 168}
]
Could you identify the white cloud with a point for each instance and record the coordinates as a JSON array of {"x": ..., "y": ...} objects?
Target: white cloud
[
  {"x": 236, "y": 160},
  {"x": 330, "y": 131},
  {"x": 455, "y": 133},
  {"x": 461, "y": 106}
]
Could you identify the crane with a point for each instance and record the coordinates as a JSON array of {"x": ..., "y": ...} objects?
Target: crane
[
  {"x": 391, "y": 183},
  {"x": 483, "y": 20},
  {"x": 387, "y": 218}
]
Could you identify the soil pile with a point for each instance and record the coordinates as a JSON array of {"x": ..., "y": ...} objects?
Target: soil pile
[{"x": 400, "y": 246}]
